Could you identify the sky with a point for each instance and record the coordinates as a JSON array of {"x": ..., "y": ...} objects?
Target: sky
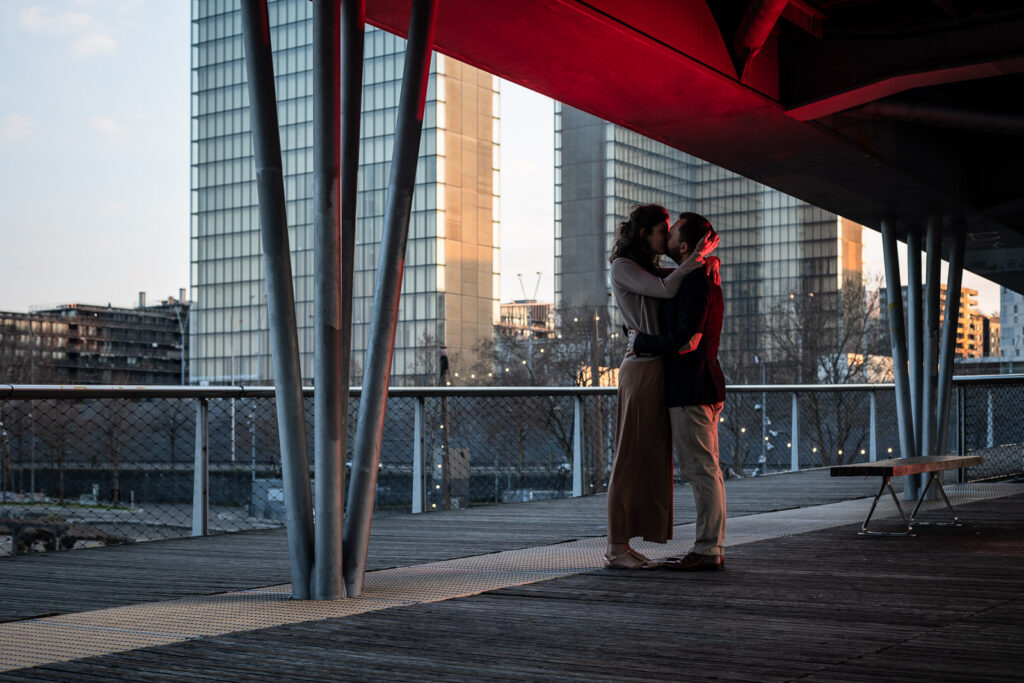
[{"x": 94, "y": 160}]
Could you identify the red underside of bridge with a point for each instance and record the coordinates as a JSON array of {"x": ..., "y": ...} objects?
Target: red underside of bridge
[{"x": 663, "y": 68}]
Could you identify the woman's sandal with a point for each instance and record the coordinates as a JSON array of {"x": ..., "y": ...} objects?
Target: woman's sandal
[{"x": 634, "y": 560}]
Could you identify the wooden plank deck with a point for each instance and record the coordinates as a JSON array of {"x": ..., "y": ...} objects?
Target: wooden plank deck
[
  {"x": 826, "y": 605},
  {"x": 36, "y": 585}
]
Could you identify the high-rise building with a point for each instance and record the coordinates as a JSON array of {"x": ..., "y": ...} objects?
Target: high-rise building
[
  {"x": 773, "y": 245},
  {"x": 1011, "y": 318},
  {"x": 449, "y": 290},
  {"x": 977, "y": 334}
]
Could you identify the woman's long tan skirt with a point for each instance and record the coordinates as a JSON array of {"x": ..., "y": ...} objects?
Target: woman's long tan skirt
[{"x": 640, "y": 490}]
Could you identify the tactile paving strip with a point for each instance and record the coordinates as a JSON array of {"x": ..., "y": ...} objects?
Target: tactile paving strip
[{"x": 85, "y": 634}]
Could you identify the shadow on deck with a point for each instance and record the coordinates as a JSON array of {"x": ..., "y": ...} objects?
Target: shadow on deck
[{"x": 803, "y": 597}]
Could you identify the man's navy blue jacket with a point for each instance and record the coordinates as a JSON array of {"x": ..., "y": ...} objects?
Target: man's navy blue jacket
[{"x": 693, "y": 378}]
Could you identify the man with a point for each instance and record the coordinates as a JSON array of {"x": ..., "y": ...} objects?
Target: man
[{"x": 694, "y": 391}]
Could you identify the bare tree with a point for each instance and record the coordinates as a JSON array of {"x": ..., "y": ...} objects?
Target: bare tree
[{"x": 830, "y": 339}]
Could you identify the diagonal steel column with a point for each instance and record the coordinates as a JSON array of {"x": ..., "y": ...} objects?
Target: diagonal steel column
[
  {"x": 898, "y": 339},
  {"x": 328, "y": 433},
  {"x": 954, "y": 282},
  {"x": 930, "y": 371},
  {"x": 915, "y": 345},
  {"x": 284, "y": 341},
  {"x": 373, "y": 402}
]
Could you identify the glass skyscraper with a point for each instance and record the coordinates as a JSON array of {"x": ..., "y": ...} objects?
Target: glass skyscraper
[
  {"x": 773, "y": 245},
  {"x": 449, "y": 291}
]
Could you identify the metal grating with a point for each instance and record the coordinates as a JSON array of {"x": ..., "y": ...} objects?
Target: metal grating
[{"x": 72, "y": 636}]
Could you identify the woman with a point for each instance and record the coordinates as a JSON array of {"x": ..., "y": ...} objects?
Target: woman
[{"x": 640, "y": 490}]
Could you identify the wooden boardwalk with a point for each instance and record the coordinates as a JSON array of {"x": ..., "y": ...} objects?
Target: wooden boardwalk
[
  {"x": 827, "y": 605},
  {"x": 36, "y": 585}
]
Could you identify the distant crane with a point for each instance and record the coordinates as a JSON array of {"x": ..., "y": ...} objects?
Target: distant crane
[{"x": 536, "y": 286}]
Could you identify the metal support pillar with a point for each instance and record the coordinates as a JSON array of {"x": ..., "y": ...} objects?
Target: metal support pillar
[
  {"x": 930, "y": 371},
  {"x": 328, "y": 410},
  {"x": 373, "y": 403},
  {"x": 577, "y": 446},
  {"x": 954, "y": 281},
  {"x": 915, "y": 348},
  {"x": 794, "y": 453},
  {"x": 898, "y": 340},
  {"x": 418, "y": 479},
  {"x": 284, "y": 341},
  {"x": 873, "y": 443},
  {"x": 353, "y": 26},
  {"x": 201, "y": 473}
]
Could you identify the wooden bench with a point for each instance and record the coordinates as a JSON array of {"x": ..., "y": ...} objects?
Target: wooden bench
[{"x": 901, "y": 467}]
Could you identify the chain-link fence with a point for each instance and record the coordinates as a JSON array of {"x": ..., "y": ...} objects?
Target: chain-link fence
[{"x": 105, "y": 465}]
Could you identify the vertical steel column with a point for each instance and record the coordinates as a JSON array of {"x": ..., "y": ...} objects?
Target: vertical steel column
[
  {"x": 577, "y": 445},
  {"x": 353, "y": 25},
  {"x": 954, "y": 281},
  {"x": 873, "y": 446},
  {"x": 328, "y": 420},
  {"x": 418, "y": 480},
  {"x": 898, "y": 339},
  {"x": 915, "y": 325},
  {"x": 930, "y": 369},
  {"x": 390, "y": 267},
  {"x": 284, "y": 341},
  {"x": 915, "y": 348},
  {"x": 201, "y": 473},
  {"x": 930, "y": 375},
  {"x": 794, "y": 454}
]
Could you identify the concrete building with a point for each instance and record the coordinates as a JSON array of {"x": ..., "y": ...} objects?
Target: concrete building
[
  {"x": 86, "y": 344},
  {"x": 449, "y": 292},
  {"x": 523, "y": 319},
  {"x": 1011, "y": 318},
  {"x": 773, "y": 245},
  {"x": 977, "y": 334}
]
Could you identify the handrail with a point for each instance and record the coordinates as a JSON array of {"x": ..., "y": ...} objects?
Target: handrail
[{"x": 41, "y": 391}]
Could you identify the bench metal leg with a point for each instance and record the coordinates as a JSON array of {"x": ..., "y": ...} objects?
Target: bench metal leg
[
  {"x": 886, "y": 484},
  {"x": 942, "y": 491}
]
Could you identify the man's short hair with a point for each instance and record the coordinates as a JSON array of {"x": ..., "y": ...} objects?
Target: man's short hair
[{"x": 694, "y": 227}]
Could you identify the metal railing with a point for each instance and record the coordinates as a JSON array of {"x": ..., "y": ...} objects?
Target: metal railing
[{"x": 98, "y": 464}]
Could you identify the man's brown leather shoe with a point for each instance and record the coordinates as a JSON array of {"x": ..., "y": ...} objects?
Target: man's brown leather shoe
[{"x": 695, "y": 562}]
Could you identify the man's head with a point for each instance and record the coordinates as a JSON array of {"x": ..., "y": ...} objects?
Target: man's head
[{"x": 685, "y": 234}]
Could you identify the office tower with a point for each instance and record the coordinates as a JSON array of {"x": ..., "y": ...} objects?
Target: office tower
[
  {"x": 449, "y": 290},
  {"x": 773, "y": 245}
]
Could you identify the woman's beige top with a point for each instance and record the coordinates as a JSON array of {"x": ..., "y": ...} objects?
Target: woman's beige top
[{"x": 637, "y": 292}]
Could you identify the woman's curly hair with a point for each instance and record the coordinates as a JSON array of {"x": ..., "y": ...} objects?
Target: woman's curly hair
[{"x": 631, "y": 236}]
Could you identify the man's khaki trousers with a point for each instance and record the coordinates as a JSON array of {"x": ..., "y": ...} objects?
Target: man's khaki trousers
[{"x": 695, "y": 441}]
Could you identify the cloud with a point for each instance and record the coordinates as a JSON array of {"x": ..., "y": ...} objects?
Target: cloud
[
  {"x": 39, "y": 20},
  {"x": 105, "y": 125},
  {"x": 93, "y": 45},
  {"x": 15, "y": 127},
  {"x": 87, "y": 36}
]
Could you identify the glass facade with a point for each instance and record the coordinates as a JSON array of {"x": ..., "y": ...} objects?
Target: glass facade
[
  {"x": 772, "y": 244},
  {"x": 440, "y": 303}
]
